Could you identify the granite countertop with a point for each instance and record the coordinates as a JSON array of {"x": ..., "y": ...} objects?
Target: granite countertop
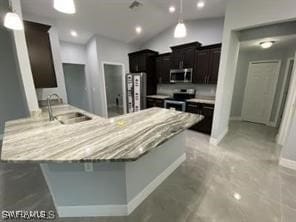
[
  {"x": 202, "y": 99},
  {"x": 124, "y": 138},
  {"x": 158, "y": 96}
]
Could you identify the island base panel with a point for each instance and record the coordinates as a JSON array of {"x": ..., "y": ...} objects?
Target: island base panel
[{"x": 111, "y": 188}]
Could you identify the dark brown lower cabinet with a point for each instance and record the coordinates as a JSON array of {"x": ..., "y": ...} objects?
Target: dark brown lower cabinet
[
  {"x": 155, "y": 103},
  {"x": 207, "y": 110}
]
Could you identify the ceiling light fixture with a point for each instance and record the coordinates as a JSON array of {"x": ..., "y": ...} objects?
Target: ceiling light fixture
[
  {"x": 180, "y": 30},
  {"x": 13, "y": 21},
  {"x": 267, "y": 44},
  {"x": 200, "y": 4},
  {"x": 74, "y": 33},
  {"x": 172, "y": 9},
  {"x": 237, "y": 196},
  {"x": 138, "y": 29},
  {"x": 65, "y": 6}
]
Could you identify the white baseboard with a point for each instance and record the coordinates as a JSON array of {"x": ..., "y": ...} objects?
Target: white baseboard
[
  {"x": 124, "y": 209},
  {"x": 291, "y": 164},
  {"x": 236, "y": 118},
  {"x": 216, "y": 141},
  {"x": 137, "y": 200}
]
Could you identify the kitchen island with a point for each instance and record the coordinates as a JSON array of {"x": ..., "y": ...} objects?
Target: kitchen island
[{"x": 100, "y": 167}]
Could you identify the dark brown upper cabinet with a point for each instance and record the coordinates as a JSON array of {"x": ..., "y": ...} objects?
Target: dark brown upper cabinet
[
  {"x": 163, "y": 66},
  {"x": 40, "y": 54},
  {"x": 183, "y": 56},
  {"x": 144, "y": 61},
  {"x": 207, "y": 64}
]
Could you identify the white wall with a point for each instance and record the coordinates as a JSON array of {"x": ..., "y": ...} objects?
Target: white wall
[
  {"x": 101, "y": 49},
  {"x": 246, "y": 56},
  {"x": 73, "y": 53},
  {"x": 24, "y": 63},
  {"x": 205, "y": 31},
  {"x": 92, "y": 70},
  {"x": 241, "y": 14},
  {"x": 13, "y": 103}
]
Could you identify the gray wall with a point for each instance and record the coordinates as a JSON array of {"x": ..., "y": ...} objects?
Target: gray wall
[
  {"x": 13, "y": 104},
  {"x": 246, "y": 56},
  {"x": 76, "y": 86}
]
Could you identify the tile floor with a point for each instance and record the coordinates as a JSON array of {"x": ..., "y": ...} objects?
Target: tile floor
[{"x": 239, "y": 180}]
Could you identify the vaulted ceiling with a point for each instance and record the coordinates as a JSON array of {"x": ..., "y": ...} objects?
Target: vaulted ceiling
[{"x": 114, "y": 19}]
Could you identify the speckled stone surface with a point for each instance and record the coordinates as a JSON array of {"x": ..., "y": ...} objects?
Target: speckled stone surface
[
  {"x": 124, "y": 138},
  {"x": 202, "y": 99},
  {"x": 158, "y": 96}
]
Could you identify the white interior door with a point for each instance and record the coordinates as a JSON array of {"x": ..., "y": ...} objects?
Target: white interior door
[{"x": 260, "y": 90}]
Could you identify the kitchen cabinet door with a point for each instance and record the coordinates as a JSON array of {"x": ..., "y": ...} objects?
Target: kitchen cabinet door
[
  {"x": 202, "y": 66},
  {"x": 193, "y": 108},
  {"x": 40, "y": 54},
  {"x": 214, "y": 65},
  {"x": 205, "y": 126},
  {"x": 189, "y": 58},
  {"x": 155, "y": 103},
  {"x": 207, "y": 110},
  {"x": 133, "y": 61},
  {"x": 177, "y": 59},
  {"x": 163, "y": 68}
]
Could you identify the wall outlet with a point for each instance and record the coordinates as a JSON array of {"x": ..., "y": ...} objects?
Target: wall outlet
[{"x": 88, "y": 167}]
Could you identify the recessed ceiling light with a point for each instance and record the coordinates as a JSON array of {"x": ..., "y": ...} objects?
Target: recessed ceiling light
[
  {"x": 200, "y": 4},
  {"x": 65, "y": 6},
  {"x": 172, "y": 9},
  {"x": 74, "y": 33},
  {"x": 237, "y": 196},
  {"x": 267, "y": 44},
  {"x": 138, "y": 29}
]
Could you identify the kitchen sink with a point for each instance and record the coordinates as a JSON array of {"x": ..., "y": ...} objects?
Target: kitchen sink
[{"x": 71, "y": 118}]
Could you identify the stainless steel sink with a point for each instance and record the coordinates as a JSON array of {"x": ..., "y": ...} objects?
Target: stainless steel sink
[{"x": 70, "y": 118}]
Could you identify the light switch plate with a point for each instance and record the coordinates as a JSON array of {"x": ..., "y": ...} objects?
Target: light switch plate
[{"x": 88, "y": 167}]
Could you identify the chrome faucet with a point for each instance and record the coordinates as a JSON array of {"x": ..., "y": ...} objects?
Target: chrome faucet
[{"x": 50, "y": 113}]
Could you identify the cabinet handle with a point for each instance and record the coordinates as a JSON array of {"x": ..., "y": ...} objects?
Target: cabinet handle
[
  {"x": 194, "y": 106},
  {"x": 209, "y": 107}
]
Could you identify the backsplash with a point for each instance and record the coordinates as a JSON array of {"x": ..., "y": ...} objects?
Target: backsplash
[{"x": 201, "y": 90}]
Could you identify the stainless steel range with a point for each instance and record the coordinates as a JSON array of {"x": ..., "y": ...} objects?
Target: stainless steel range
[{"x": 178, "y": 102}]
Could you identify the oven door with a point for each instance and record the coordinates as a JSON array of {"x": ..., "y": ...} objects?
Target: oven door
[
  {"x": 181, "y": 75},
  {"x": 176, "y": 105}
]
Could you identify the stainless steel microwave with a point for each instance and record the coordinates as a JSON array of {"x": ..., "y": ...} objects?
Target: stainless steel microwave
[{"x": 181, "y": 75}]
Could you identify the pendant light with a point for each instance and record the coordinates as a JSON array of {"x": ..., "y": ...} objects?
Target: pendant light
[
  {"x": 180, "y": 30},
  {"x": 13, "y": 21},
  {"x": 65, "y": 6}
]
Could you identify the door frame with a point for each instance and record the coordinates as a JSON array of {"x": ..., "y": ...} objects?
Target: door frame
[
  {"x": 267, "y": 122},
  {"x": 289, "y": 110},
  {"x": 277, "y": 116},
  {"x": 123, "y": 85}
]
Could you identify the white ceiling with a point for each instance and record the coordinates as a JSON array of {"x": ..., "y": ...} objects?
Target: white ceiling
[
  {"x": 113, "y": 18},
  {"x": 281, "y": 42}
]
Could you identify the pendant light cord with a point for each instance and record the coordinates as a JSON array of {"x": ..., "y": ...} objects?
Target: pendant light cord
[{"x": 181, "y": 11}]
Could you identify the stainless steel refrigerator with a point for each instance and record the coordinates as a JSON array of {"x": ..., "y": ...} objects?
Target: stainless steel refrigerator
[{"x": 135, "y": 91}]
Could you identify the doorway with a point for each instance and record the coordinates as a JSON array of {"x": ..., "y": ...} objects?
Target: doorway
[
  {"x": 114, "y": 88},
  {"x": 260, "y": 91},
  {"x": 75, "y": 82}
]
